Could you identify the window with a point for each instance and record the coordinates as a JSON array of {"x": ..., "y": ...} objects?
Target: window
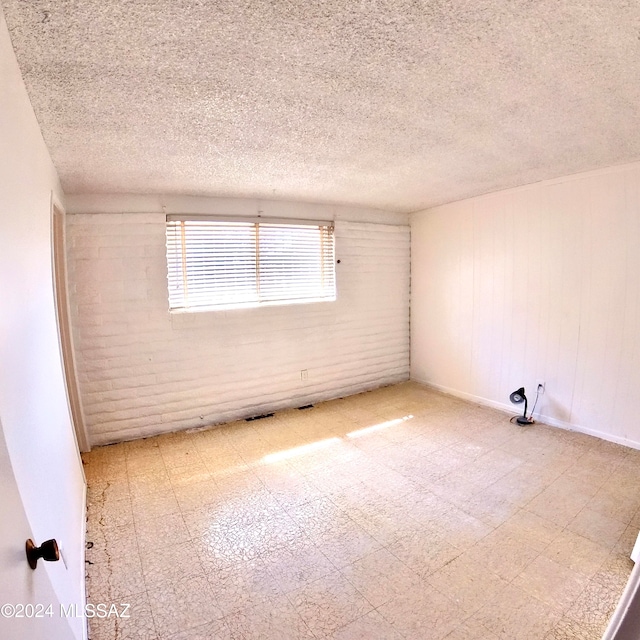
[{"x": 234, "y": 263}]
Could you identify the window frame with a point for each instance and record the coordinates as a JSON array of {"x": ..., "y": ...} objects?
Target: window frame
[{"x": 177, "y": 259}]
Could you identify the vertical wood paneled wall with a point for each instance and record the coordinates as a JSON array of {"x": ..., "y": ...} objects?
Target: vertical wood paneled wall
[{"x": 536, "y": 283}]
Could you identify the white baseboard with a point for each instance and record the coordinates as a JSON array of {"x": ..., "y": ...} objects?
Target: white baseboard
[{"x": 548, "y": 420}]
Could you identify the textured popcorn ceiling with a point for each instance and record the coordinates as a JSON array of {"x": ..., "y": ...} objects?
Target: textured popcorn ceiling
[{"x": 398, "y": 104}]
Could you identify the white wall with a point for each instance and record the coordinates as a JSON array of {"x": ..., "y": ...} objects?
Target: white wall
[
  {"x": 144, "y": 371},
  {"x": 535, "y": 283},
  {"x": 33, "y": 407}
]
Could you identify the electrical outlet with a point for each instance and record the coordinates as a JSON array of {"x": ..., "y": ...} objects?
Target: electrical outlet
[
  {"x": 540, "y": 386},
  {"x": 304, "y": 374}
]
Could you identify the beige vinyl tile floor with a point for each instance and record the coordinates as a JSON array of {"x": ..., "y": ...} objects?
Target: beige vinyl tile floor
[{"x": 397, "y": 513}]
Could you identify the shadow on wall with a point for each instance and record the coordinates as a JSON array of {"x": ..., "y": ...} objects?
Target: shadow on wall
[{"x": 557, "y": 410}]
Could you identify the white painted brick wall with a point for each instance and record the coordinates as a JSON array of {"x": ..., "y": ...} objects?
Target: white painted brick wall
[{"x": 144, "y": 371}]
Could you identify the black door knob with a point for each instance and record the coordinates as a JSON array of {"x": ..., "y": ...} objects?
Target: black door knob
[{"x": 48, "y": 551}]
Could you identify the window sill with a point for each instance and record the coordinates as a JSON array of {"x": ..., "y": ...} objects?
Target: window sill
[{"x": 250, "y": 305}]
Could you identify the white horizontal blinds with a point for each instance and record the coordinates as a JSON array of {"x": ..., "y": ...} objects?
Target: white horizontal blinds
[
  {"x": 296, "y": 262},
  {"x": 175, "y": 272},
  {"x": 211, "y": 263},
  {"x": 218, "y": 263}
]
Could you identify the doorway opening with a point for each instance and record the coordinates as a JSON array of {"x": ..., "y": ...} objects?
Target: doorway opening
[{"x": 64, "y": 325}]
